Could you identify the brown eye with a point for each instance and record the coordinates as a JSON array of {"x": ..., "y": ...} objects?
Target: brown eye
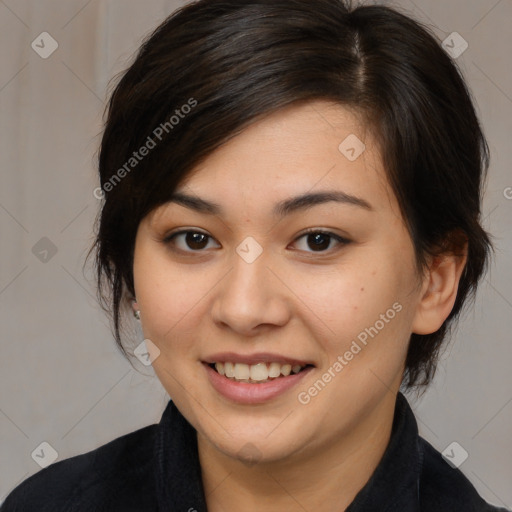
[
  {"x": 189, "y": 241},
  {"x": 321, "y": 241}
]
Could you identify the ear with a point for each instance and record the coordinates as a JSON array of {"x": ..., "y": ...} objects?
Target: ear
[{"x": 439, "y": 291}]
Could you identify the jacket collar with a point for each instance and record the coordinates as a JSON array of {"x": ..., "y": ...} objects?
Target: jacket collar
[
  {"x": 394, "y": 485},
  {"x": 177, "y": 470}
]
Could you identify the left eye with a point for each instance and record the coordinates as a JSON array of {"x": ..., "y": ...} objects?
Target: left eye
[
  {"x": 196, "y": 241},
  {"x": 320, "y": 241}
]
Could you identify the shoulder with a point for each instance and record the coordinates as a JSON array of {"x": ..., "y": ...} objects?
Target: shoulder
[
  {"x": 444, "y": 488},
  {"x": 116, "y": 476}
]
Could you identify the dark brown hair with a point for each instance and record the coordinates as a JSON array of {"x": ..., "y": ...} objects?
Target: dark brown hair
[{"x": 232, "y": 61}]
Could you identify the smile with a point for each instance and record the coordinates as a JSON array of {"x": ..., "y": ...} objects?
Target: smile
[
  {"x": 256, "y": 373},
  {"x": 254, "y": 382}
]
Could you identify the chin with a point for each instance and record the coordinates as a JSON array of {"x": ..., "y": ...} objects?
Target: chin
[
  {"x": 256, "y": 451},
  {"x": 259, "y": 444}
]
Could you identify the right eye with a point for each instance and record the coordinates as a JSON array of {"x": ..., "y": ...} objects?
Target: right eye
[{"x": 188, "y": 240}]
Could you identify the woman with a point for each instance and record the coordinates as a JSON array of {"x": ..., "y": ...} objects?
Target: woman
[{"x": 292, "y": 210}]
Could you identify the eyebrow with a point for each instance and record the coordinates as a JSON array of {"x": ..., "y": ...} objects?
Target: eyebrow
[{"x": 281, "y": 209}]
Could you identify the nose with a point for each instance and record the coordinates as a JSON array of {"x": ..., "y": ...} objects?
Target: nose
[{"x": 251, "y": 298}]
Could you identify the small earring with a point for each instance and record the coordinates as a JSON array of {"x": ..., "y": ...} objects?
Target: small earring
[{"x": 136, "y": 311}]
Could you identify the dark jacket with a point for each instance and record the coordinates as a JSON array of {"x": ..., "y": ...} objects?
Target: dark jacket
[{"x": 157, "y": 468}]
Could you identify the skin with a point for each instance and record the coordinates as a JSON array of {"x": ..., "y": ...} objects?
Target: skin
[{"x": 293, "y": 300}]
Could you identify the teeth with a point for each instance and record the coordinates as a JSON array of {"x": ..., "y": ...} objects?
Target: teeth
[
  {"x": 229, "y": 370},
  {"x": 260, "y": 372},
  {"x": 242, "y": 371},
  {"x": 274, "y": 370},
  {"x": 286, "y": 369}
]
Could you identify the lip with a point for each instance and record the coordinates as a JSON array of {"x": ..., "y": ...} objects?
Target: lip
[
  {"x": 249, "y": 394},
  {"x": 260, "y": 357}
]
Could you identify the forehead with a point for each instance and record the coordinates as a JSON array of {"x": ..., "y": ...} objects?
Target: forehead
[{"x": 315, "y": 146}]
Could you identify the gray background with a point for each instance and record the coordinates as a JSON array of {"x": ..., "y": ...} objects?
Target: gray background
[{"x": 62, "y": 379}]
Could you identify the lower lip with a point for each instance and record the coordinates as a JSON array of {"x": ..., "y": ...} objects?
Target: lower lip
[{"x": 245, "y": 393}]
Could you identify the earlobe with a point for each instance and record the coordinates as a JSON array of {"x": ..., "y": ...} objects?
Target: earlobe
[{"x": 439, "y": 291}]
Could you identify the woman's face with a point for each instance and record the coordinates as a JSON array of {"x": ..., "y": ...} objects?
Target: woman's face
[{"x": 248, "y": 287}]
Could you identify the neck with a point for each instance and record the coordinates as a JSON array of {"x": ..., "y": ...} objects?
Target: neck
[{"x": 326, "y": 477}]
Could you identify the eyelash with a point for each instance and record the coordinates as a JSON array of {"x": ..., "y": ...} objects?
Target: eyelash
[{"x": 168, "y": 240}]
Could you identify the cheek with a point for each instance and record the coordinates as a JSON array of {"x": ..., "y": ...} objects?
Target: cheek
[
  {"x": 365, "y": 314},
  {"x": 170, "y": 303},
  {"x": 350, "y": 297},
  {"x": 172, "y": 300},
  {"x": 162, "y": 292}
]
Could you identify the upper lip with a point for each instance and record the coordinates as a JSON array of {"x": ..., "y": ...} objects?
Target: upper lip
[{"x": 250, "y": 359}]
